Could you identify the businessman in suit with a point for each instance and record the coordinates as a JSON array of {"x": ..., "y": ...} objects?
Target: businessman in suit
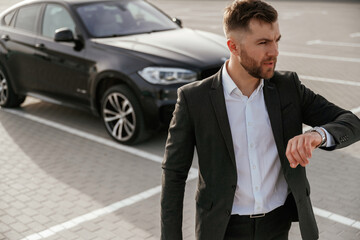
[{"x": 246, "y": 124}]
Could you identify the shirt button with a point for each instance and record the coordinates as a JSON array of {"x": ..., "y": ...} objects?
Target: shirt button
[
  {"x": 254, "y": 166},
  {"x": 256, "y": 188},
  {"x": 251, "y": 145}
]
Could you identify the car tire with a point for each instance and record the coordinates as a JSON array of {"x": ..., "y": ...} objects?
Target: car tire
[
  {"x": 8, "y": 98},
  {"x": 122, "y": 115}
]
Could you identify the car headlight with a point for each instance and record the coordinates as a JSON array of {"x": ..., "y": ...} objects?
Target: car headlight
[{"x": 165, "y": 75}]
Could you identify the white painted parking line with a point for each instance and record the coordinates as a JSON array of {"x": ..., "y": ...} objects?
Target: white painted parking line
[
  {"x": 101, "y": 212},
  {"x": 336, "y": 218},
  {"x": 324, "y": 57},
  {"x": 94, "y": 214},
  {"x": 136, "y": 198},
  {"x": 337, "y": 44},
  {"x": 91, "y": 137},
  {"x": 356, "y": 110},
  {"x": 355, "y": 34},
  {"x": 330, "y": 80}
]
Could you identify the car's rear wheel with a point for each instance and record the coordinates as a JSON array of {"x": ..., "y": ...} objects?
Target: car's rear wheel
[
  {"x": 8, "y": 98},
  {"x": 122, "y": 115}
]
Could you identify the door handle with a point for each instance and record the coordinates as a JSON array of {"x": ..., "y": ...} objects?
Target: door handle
[
  {"x": 40, "y": 46},
  {"x": 5, "y": 37}
]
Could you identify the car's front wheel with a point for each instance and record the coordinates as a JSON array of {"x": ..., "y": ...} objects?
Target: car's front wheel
[
  {"x": 8, "y": 98},
  {"x": 122, "y": 115}
]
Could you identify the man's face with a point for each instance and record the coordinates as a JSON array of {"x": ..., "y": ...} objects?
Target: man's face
[{"x": 259, "y": 49}]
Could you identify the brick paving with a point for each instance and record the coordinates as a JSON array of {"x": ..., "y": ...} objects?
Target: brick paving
[
  {"x": 49, "y": 177},
  {"x": 49, "y": 181}
]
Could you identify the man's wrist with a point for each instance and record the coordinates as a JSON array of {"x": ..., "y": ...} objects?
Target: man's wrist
[{"x": 322, "y": 134}]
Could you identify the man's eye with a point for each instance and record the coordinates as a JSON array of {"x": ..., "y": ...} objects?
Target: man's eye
[{"x": 262, "y": 42}]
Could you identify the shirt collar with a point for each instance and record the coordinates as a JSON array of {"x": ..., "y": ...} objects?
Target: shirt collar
[{"x": 230, "y": 86}]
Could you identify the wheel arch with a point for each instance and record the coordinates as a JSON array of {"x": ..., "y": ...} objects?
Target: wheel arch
[
  {"x": 105, "y": 81},
  {"x": 9, "y": 77},
  {"x": 12, "y": 99}
]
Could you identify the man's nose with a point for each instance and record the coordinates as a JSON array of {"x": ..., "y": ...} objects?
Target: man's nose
[{"x": 273, "y": 50}]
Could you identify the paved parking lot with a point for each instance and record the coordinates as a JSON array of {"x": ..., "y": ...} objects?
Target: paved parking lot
[{"x": 62, "y": 177}]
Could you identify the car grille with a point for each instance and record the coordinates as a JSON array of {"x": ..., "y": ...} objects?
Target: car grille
[{"x": 209, "y": 72}]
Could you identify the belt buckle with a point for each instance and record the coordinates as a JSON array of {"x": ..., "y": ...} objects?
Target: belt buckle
[{"x": 257, "y": 215}]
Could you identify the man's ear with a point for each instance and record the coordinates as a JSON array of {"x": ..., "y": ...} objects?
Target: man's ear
[{"x": 233, "y": 47}]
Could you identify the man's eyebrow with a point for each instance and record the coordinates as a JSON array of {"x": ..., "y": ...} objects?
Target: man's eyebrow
[{"x": 268, "y": 39}]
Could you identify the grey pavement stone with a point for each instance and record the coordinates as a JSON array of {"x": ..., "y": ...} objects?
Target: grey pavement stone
[
  {"x": 4, "y": 227},
  {"x": 13, "y": 212},
  {"x": 7, "y": 219},
  {"x": 69, "y": 235},
  {"x": 91, "y": 227},
  {"x": 36, "y": 226},
  {"x": 12, "y": 234},
  {"x": 24, "y": 219},
  {"x": 84, "y": 234},
  {"x": 19, "y": 227}
]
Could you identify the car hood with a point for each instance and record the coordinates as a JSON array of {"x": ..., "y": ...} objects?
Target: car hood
[{"x": 193, "y": 47}]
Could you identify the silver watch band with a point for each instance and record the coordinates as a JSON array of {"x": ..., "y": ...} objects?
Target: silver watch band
[{"x": 322, "y": 134}]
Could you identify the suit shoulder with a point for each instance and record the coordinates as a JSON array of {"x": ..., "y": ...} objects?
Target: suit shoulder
[
  {"x": 284, "y": 78},
  {"x": 281, "y": 75},
  {"x": 197, "y": 86}
]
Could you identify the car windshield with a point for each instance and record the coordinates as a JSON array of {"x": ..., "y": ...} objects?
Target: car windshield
[{"x": 111, "y": 19}]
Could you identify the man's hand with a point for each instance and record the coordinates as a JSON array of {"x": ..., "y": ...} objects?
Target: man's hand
[{"x": 299, "y": 148}]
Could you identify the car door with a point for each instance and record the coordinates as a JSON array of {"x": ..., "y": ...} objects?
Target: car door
[
  {"x": 64, "y": 72},
  {"x": 18, "y": 37}
]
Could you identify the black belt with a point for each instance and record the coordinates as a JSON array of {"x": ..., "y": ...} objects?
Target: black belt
[
  {"x": 257, "y": 215},
  {"x": 260, "y": 215}
]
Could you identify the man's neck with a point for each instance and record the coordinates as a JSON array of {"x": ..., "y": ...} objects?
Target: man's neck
[{"x": 242, "y": 79}]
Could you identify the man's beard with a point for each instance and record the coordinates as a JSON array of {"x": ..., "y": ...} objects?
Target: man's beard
[{"x": 254, "y": 69}]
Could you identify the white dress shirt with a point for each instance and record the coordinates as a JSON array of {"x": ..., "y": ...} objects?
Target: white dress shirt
[{"x": 261, "y": 185}]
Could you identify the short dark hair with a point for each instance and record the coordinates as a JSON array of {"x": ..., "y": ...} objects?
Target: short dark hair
[{"x": 240, "y": 12}]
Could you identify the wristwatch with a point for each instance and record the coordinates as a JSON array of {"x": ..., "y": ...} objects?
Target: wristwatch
[{"x": 322, "y": 134}]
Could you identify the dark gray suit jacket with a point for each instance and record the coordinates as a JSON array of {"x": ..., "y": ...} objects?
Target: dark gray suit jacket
[{"x": 200, "y": 119}]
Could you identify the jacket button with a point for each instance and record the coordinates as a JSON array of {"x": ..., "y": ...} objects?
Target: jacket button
[
  {"x": 228, "y": 212},
  {"x": 233, "y": 187}
]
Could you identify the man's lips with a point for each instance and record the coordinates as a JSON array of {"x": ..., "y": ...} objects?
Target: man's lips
[{"x": 269, "y": 63}]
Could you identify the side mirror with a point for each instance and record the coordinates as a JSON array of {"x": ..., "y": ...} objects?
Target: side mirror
[
  {"x": 177, "y": 21},
  {"x": 64, "y": 35}
]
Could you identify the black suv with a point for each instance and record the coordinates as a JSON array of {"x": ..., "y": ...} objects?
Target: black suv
[{"x": 122, "y": 60}]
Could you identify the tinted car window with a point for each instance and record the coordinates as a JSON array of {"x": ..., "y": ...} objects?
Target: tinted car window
[
  {"x": 8, "y": 17},
  {"x": 56, "y": 17},
  {"x": 26, "y": 18},
  {"x": 110, "y": 19}
]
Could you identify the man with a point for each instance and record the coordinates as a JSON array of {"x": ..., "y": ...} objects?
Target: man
[{"x": 246, "y": 123}]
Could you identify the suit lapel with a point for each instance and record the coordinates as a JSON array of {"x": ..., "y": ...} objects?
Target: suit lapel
[
  {"x": 272, "y": 102},
  {"x": 218, "y": 102}
]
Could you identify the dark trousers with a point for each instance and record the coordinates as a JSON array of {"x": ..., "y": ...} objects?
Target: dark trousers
[{"x": 275, "y": 225}]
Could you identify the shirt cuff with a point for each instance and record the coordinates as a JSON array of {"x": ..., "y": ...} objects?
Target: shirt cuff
[{"x": 330, "y": 141}]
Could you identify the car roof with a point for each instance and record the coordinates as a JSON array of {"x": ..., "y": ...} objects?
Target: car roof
[{"x": 69, "y": 2}]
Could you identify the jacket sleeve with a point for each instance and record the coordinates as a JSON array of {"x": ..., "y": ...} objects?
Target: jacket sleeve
[
  {"x": 343, "y": 125},
  {"x": 177, "y": 161}
]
